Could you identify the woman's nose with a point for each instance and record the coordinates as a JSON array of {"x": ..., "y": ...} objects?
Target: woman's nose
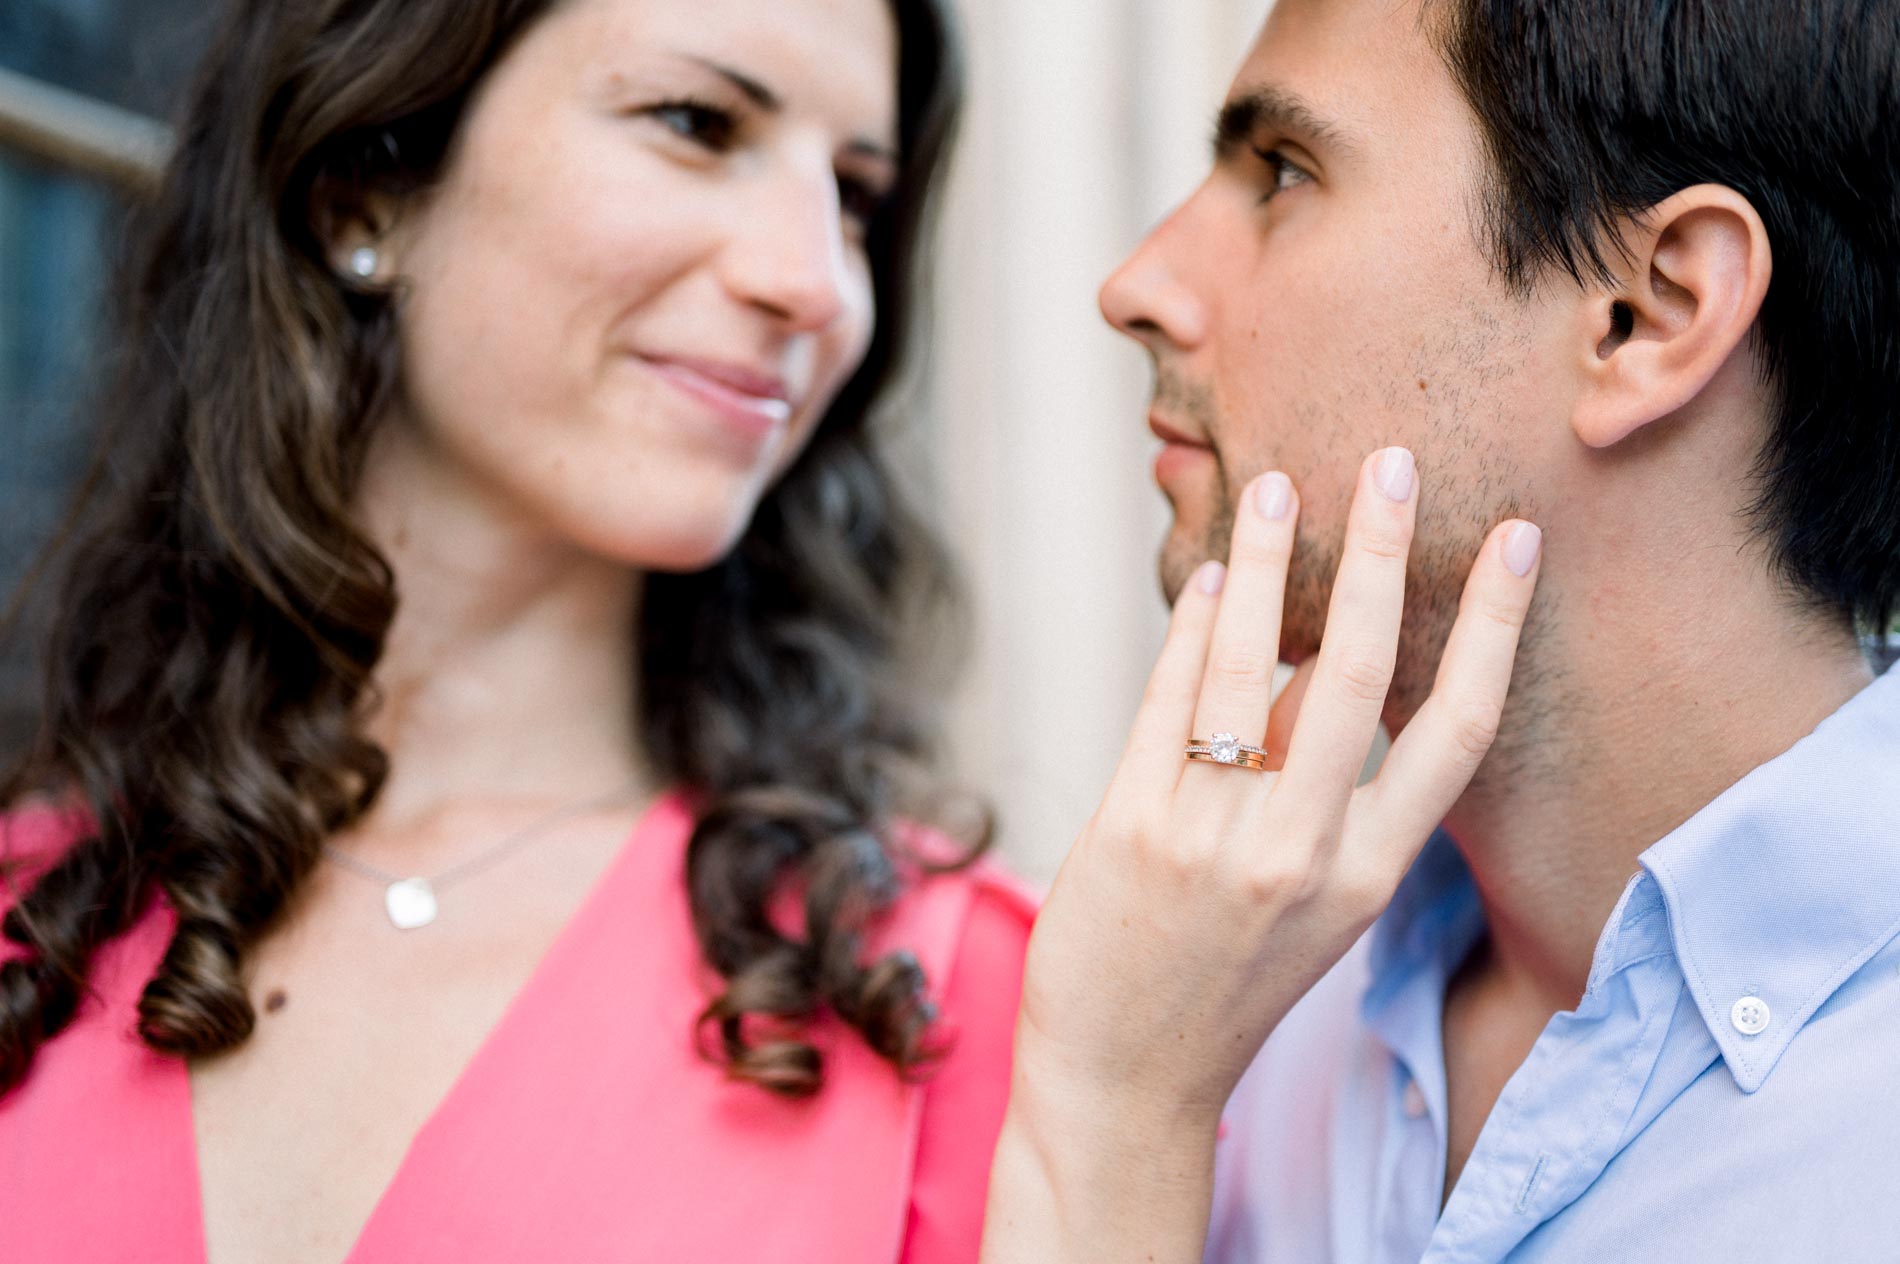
[{"x": 791, "y": 259}]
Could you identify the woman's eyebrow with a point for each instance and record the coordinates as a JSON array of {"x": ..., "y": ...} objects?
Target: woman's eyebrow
[
  {"x": 771, "y": 103},
  {"x": 756, "y": 92}
]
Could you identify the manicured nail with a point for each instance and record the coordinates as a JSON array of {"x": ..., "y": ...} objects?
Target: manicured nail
[
  {"x": 1212, "y": 579},
  {"x": 1396, "y": 474},
  {"x": 1273, "y": 496},
  {"x": 1521, "y": 548}
]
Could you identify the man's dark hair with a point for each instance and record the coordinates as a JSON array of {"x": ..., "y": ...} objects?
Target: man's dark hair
[{"x": 1597, "y": 110}]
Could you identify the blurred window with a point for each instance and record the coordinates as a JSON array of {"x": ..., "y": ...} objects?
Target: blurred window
[{"x": 84, "y": 85}]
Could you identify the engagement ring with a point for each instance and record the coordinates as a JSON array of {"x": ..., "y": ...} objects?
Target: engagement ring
[{"x": 1225, "y": 748}]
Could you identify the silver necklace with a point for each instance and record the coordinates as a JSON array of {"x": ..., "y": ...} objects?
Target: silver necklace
[{"x": 412, "y": 902}]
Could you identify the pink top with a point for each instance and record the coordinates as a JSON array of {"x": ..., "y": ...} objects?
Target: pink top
[{"x": 586, "y": 1127}]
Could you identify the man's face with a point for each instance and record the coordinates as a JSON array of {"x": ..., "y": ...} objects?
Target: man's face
[{"x": 1323, "y": 295}]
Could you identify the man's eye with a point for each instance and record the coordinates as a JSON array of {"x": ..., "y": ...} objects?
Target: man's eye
[
  {"x": 1282, "y": 173},
  {"x": 705, "y": 125}
]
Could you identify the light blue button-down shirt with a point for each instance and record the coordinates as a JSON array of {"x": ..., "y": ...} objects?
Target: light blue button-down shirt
[{"x": 1728, "y": 1089}]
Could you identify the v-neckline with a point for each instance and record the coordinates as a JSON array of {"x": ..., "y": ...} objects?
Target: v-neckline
[{"x": 663, "y": 808}]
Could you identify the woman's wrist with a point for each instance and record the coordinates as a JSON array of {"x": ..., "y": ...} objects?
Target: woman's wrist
[
  {"x": 1093, "y": 1092},
  {"x": 1087, "y": 1172},
  {"x": 1075, "y": 1113},
  {"x": 1074, "y": 1184}
]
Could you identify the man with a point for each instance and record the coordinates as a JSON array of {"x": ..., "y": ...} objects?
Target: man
[{"x": 1632, "y": 271}]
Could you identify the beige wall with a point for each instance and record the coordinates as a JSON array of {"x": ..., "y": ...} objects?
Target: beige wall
[{"x": 1089, "y": 119}]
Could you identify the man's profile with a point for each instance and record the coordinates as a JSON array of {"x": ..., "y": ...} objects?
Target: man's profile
[{"x": 1631, "y": 271}]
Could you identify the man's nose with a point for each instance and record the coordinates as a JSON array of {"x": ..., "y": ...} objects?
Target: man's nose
[
  {"x": 790, "y": 257},
  {"x": 1151, "y": 297}
]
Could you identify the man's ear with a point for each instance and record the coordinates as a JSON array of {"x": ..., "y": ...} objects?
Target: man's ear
[{"x": 1699, "y": 265}]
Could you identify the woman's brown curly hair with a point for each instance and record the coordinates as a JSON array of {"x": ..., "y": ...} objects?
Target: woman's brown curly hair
[{"x": 219, "y": 611}]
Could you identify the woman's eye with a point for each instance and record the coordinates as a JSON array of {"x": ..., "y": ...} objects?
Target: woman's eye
[
  {"x": 861, "y": 202},
  {"x": 1282, "y": 173},
  {"x": 705, "y": 125}
]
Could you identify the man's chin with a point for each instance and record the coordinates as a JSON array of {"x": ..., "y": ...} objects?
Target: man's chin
[
  {"x": 1182, "y": 554},
  {"x": 1174, "y": 575}
]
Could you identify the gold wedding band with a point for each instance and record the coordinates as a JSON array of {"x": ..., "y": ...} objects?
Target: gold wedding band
[{"x": 1257, "y": 763}]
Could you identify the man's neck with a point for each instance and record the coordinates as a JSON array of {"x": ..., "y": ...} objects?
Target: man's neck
[{"x": 1628, "y": 740}]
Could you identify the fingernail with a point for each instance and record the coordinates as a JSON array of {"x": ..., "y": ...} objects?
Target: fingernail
[
  {"x": 1273, "y": 496},
  {"x": 1212, "y": 579},
  {"x": 1396, "y": 474},
  {"x": 1521, "y": 548}
]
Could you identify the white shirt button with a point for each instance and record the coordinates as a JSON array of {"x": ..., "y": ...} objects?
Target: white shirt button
[
  {"x": 1750, "y": 1016},
  {"x": 1414, "y": 1100}
]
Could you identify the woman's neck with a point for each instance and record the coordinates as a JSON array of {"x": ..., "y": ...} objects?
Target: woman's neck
[{"x": 510, "y": 671}]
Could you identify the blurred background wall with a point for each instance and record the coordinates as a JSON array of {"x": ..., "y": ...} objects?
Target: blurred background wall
[{"x": 1089, "y": 118}]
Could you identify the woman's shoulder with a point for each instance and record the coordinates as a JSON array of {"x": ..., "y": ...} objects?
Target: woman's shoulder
[
  {"x": 34, "y": 834},
  {"x": 968, "y": 924},
  {"x": 978, "y": 987},
  {"x": 1012, "y": 896},
  {"x": 985, "y": 899}
]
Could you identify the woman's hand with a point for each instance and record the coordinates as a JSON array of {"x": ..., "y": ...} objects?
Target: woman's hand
[{"x": 1202, "y": 900}]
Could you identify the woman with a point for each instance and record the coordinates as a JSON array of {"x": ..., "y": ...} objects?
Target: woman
[{"x": 462, "y": 822}]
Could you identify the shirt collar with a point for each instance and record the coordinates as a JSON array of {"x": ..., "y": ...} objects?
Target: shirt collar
[
  {"x": 1422, "y": 938},
  {"x": 1434, "y": 918},
  {"x": 1785, "y": 885},
  {"x": 1778, "y": 890}
]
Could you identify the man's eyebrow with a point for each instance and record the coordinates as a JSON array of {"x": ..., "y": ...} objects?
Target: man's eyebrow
[
  {"x": 1273, "y": 109},
  {"x": 770, "y": 102}
]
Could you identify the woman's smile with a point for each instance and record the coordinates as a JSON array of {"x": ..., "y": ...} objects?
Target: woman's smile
[{"x": 755, "y": 405}]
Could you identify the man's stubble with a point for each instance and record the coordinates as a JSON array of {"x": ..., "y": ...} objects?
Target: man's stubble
[{"x": 1469, "y": 482}]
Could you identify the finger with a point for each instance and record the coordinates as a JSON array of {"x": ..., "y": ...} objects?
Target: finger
[
  {"x": 1237, "y": 688},
  {"x": 1286, "y": 710},
  {"x": 1340, "y": 713},
  {"x": 1153, "y": 755},
  {"x": 1439, "y": 751}
]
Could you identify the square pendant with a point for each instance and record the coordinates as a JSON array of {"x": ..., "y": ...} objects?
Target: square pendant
[{"x": 411, "y": 903}]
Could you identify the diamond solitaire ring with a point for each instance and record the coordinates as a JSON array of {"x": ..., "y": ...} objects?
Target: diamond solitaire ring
[{"x": 1225, "y": 748}]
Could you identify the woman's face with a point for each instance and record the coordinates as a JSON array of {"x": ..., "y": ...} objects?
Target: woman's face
[{"x": 643, "y": 277}]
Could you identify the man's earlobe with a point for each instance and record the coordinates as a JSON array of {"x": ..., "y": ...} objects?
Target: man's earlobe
[{"x": 1698, "y": 270}]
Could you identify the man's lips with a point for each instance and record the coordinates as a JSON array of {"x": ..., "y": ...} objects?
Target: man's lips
[
  {"x": 1171, "y": 434},
  {"x": 1182, "y": 454}
]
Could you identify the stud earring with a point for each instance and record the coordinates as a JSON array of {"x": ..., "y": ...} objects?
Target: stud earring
[{"x": 364, "y": 261}]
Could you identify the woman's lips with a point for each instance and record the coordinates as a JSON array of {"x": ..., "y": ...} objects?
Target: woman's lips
[{"x": 753, "y": 404}]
